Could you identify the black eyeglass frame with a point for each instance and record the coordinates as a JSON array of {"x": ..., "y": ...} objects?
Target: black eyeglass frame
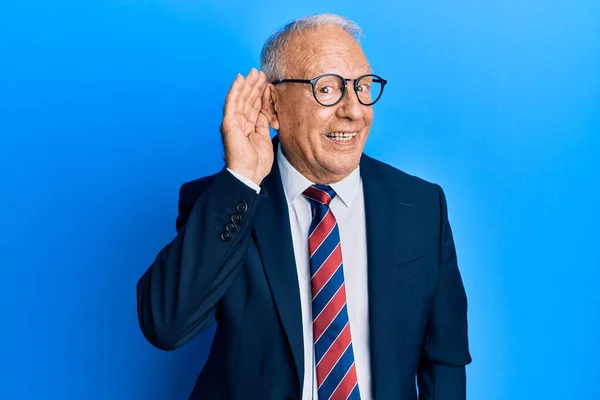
[{"x": 313, "y": 81}]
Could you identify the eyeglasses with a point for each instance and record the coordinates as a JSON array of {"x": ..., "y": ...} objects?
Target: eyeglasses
[{"x": 329, "y": 89}]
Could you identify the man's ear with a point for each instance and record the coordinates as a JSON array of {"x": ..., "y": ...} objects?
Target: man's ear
[{"x": 270, "y": 105}]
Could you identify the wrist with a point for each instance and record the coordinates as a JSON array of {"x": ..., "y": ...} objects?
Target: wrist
[{"x": 245, "y": 172}]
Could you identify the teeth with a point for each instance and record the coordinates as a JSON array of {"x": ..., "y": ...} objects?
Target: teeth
[{"x": 341, "y": 136}]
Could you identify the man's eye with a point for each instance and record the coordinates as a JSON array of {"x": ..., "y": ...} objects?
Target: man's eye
[{"x": 326, "y": 90}]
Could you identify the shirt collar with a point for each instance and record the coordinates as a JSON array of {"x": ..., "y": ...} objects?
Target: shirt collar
[{"x": 294, "y": 183}]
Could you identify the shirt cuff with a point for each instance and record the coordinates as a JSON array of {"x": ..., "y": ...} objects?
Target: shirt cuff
[{"x": 247, "y": 181}]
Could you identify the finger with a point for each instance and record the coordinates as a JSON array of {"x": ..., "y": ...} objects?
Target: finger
[
  {"x": 253, "y": 111},
  {"x": 265, "y": 114},
  {"x": 260, "y": 102},
  {"x": 248, "y": 85},
  {"x": 234, "y": 93},
  {"x": 265, "y": 101},
  {"x": 251, "y": 106},
  {"x": 257, "y": 90},
  {"x": 254, "y": 103}
]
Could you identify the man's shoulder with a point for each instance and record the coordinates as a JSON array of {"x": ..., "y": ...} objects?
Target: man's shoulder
[
  {"x": 394, "y": 177},
  {"x": 191, "y": 190},
  {"x": 189, "y": 193},
  {"x": 400, "y": 187}
]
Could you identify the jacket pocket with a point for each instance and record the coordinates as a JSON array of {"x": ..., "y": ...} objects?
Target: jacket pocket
[{"x": 411, "y": 269}]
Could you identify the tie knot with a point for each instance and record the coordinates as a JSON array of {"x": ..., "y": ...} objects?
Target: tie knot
[{"x": 320, "y": 193}]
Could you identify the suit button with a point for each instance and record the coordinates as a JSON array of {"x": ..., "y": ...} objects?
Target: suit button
[
  {"x": 242, "y": 207},
  {"x": 236, "y": 218},
  {"x": 230, "y": 227},
  {"x": 225, "y": 236}
]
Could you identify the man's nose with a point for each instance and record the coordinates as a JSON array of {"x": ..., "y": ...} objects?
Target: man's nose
[{"x": 350, "y": 107}]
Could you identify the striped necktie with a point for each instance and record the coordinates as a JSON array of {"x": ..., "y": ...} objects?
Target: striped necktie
[{"x": 334, "y": 357}]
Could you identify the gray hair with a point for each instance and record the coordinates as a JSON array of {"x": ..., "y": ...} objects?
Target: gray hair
[{"x": 272, "y": 62}]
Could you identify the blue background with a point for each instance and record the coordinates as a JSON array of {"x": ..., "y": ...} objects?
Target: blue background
[{"x": 106, "y": 107}]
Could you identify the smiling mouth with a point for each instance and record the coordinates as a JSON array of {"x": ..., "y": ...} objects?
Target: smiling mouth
[{"x": 341, "y": 136}]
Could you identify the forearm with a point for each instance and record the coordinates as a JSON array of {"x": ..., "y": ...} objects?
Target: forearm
[
  {"x": 442, "y": 382},
  {"x": 178, "y": 294},
  {"x": 445, "y": 350}
]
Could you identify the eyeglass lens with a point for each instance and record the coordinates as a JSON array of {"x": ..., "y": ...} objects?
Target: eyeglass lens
[{"x": 329, "y": 89}]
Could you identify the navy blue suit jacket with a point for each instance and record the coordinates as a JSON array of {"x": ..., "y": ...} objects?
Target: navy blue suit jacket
[{"x": 232, "y": 263}]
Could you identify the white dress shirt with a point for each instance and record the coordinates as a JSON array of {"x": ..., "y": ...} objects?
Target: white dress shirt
[{"x": 349, "y": 211}]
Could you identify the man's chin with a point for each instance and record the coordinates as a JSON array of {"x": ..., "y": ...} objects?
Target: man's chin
[{"x": 342, "y": 169}]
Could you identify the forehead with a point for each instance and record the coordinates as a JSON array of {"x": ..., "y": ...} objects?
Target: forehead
[{"x": 326, "y": 49}]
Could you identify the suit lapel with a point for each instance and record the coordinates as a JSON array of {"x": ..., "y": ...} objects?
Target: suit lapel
[
  {"x": 386, "y": 229},
  {"x": 386, "y": 236},
  {"x": 274, "y": 242}
]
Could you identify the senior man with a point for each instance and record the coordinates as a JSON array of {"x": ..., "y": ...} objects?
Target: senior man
[{"x": 329, "y": 274}]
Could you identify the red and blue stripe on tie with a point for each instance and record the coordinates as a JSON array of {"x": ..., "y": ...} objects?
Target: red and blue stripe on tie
[{"x": 336, "y": 370}]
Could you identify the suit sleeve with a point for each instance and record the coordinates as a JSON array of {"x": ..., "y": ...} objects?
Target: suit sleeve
[
  {"x": 178, "y": 295},
  {"x": 445, "y": 351}
]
